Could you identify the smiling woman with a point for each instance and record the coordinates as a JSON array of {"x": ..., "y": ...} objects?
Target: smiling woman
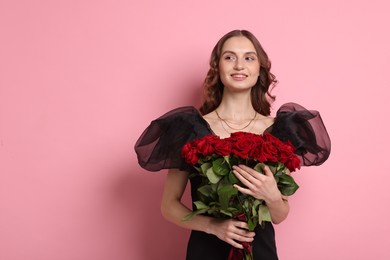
[
  {"x": 237, "y": 98},
  {"x": 214, "y": 87},
  {"x": 239, "y": 66}
]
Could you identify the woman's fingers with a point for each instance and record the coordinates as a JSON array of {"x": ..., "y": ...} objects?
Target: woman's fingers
[
  {"x": 234, "y": 243},
  {"x": 245, "y": 177},
  {"x": 243, "y": 190},
  {"x": 233, "y": 232},
  {"x": 260, "y": 186},
  {"x": 268, "y": 171},
  {"x": 240, "y": 235},
  {"x": 250, "y": 178}
]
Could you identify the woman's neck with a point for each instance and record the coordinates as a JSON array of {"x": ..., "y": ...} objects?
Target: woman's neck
[{"x": 236, "y": 107}]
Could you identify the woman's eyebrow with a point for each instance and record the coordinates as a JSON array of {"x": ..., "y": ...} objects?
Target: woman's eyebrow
[{"x": 232, "y": 52}]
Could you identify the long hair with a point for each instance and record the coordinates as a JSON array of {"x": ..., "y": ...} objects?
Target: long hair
[{"x": 213, "y": 87}]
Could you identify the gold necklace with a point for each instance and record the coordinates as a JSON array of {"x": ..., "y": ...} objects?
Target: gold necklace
[
  {"x": 237, "y": 129},
  {"x": 224, "y": 127}
]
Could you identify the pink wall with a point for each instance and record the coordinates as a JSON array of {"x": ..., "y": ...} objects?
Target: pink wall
[{"x": 80, "y": 80}]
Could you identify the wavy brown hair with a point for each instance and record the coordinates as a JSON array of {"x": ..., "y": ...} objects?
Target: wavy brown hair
[{"x": 213, "y": 87}]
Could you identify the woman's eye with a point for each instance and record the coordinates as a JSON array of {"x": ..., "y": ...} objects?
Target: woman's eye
[
  {"x": 250, "y": 58},
  {"x": 229, "y": 57}
]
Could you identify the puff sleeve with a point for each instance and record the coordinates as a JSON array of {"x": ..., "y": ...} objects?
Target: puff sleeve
[
  {"x": 159, "y": 146},
  {"x": 305, "y": 130}
]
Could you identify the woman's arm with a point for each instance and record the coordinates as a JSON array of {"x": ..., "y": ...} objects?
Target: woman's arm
[
  {"x": 263, "y": 187},
  {"x": 174, "y": 210},
  {"x": 278, "y": 209}
]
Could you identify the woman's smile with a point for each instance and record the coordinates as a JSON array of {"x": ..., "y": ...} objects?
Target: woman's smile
[
  {"x": 239, "y": 76},
  {"x": 239, "y": 66}
]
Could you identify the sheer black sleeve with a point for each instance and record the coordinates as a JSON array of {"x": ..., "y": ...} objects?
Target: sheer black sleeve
[
  {"x": 159, "y": 147},
  {"x": 305, "y": 130}
]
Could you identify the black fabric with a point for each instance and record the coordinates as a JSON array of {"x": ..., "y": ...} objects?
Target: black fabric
[
  {"x": 202, "y": 246},
  {"x": 159, "y": 147},
  {"x": 306, "y": 131}
]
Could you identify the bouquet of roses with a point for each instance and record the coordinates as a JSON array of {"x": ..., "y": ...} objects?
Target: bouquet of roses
[{"x": 213, "y": 159}]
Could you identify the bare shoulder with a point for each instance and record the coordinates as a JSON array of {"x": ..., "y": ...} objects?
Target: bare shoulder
[
  {"x": 215, "y": 125},
  {"x": 262, "y": 123},
  {"x": 268, "y": 121},
  {"x": 211, "y": 119}
]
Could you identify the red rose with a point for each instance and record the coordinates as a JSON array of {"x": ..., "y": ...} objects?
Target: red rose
[
  {"x": 257, "y": 151},
  {"x": 286, "y": 150},
  {"x": 243, "y": 144},
  {"x": 190, "y": 154},
  {"x": 287, "y": 156},
  {"x": 267, "y": 151},
  {"x": 270, "y": 152},
  {"x": 293, "y": 163},
  {"x": 222, "y": 147},
  {"x": 204, "y": 145}
]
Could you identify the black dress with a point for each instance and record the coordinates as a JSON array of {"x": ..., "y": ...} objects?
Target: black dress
[{"x": 159, "y": 147}]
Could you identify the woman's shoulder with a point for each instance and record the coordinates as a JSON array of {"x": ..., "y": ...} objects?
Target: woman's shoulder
[
  {"x": 212, "y": 120},
  {"x": 267, "y": 121}
]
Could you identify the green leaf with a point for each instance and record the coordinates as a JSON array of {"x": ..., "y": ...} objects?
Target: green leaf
[
  {"x": 248, "y": 256},
  {"x": 221, "y": 167},
  {"x": 259, "y": 167},
  {"x": 204, "y": 167},
  {"x": 257, "y": 202},
  {"x": 280, "y": 171},
  {"x": 245, "y": 204},
  {"x": 225, "y": 193},
  {"x": 227, "y": 159},
  {"x": 212, "y": 176},
  {"x": 232, "y": 178},
  {"x": 251, "y": 225},
  {"x": 227, "y": 213},
  {"x": 287, "y": 185},
  {"x": 188, "y": 216},
  {"x": 255, "y": 207},
  {"x": 194, "y": 213},
  {"x": 233, "y": 210},
  {"x": 273, "y": 168},
  {"x": 200, "y": 205},
  {"x": 264, "y": 214},
  {"x": 206, "y": 190},
  {"x": 223, "y": 182}
]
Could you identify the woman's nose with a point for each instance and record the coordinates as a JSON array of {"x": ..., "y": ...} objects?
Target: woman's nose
[{"x": 238, "y": 65}]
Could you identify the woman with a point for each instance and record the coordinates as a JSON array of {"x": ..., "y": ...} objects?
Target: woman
[{"x": 236, "y": 99}]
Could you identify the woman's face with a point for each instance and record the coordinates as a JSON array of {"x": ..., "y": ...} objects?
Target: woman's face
[{"x": 239, "y": 66}]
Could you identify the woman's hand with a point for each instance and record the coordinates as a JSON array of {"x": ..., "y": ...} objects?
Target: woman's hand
[
  {"x": 264, "y": 187},
  {"x": 260, "y": 186},
  {"x": 231, "y": 231}
]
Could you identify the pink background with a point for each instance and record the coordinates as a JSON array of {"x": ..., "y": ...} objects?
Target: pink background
[{"x": 80, "y": 80}]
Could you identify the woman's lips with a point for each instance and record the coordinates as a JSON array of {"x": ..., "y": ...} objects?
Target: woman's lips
[{"x": 239, "y": 76}]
